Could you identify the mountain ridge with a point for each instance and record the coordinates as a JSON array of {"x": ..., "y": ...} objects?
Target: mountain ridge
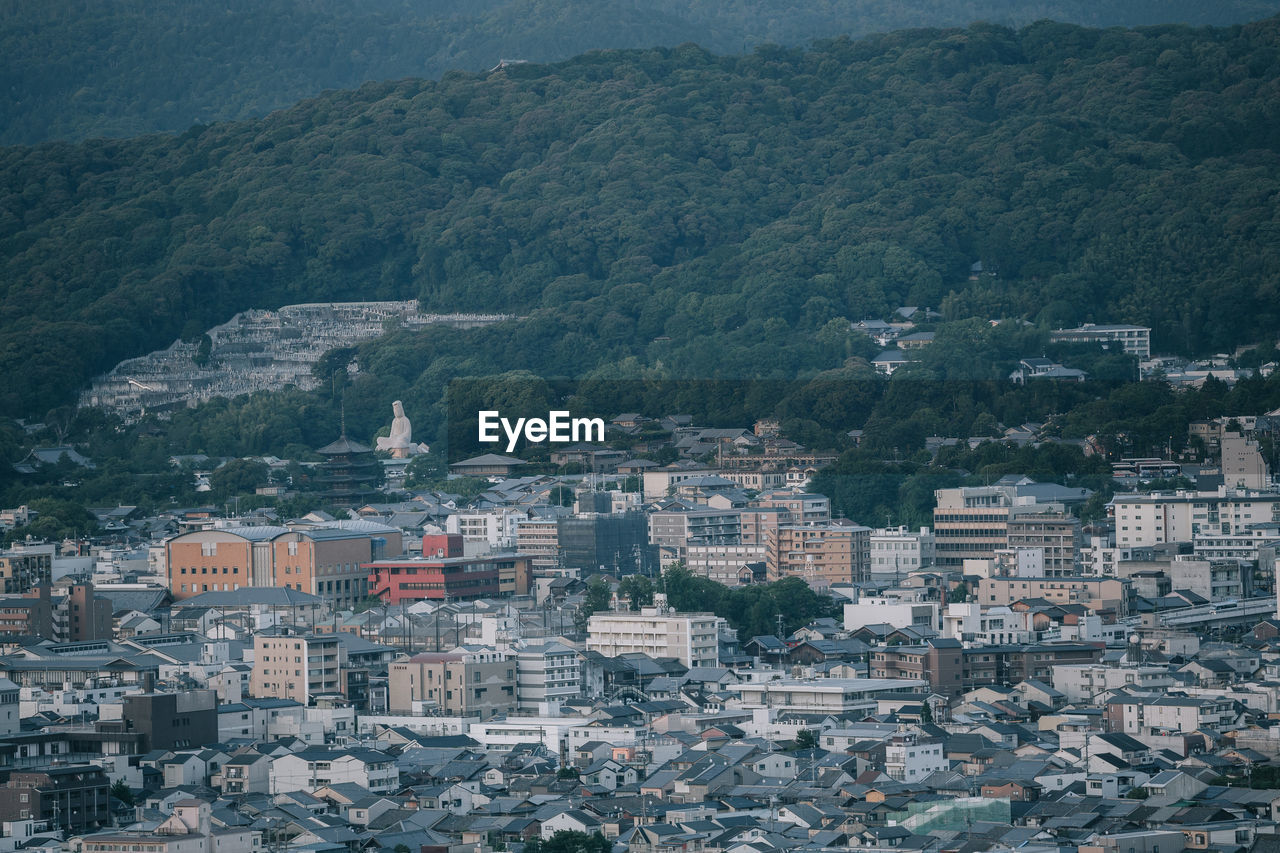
[{"x": 76, "y": 69}]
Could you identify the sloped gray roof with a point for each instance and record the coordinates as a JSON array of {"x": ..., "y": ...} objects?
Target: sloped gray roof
[{"x": 252, "y": 595}]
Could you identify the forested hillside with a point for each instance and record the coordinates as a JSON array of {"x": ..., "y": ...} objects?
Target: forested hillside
[
  {"x": 677, "y": 211},
  {"x": 81, "y": 68}
]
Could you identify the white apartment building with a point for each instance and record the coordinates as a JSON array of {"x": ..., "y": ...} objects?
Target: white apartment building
[
  {"x": 1159, "y": 517},
  {"x": 823, "y": 695},
  {"x": 548, "y": 672},
  {"x": 990, "y": 626},
  {"x": 552, "y": 732},
  {"x": 1100, "y": 555},
  {"x": 1081, "y": 682},
  {"x": 897, "y": 550},
  {"x": 254, "y": 718},
  {"x": 908, "y": 759},
  {"x": 901, "y": 610},
  {"x": 315, "y": 767},
  {"x": 10, "y": 705},
  {"x": 1184, "y": 714},
  {"x": 483, "y": 532},
  {"x": 692, "y": 638},
  {"x": 1243, "y": 544},
  {"x": 1133, "y": 340}
]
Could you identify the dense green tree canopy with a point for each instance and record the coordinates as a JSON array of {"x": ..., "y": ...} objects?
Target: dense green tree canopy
[
  {"x": 671, "y": 213},
  {"x": 750, "y": 610},
  {"x": 79, "y": 68}
]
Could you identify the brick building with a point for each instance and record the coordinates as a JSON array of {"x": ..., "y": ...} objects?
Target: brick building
[
  {"x": 821, "y": 554},
  {"x": 323, "y": 561}
]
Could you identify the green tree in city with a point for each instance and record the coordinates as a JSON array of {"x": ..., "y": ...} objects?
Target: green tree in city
[
  {"x": 122, "y": 792},
  {"x": 637, "y": 589},
  {"x": 596, "y": 599}
]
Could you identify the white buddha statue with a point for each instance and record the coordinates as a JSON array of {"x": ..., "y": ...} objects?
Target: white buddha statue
[{"x": 400, "y": 443}]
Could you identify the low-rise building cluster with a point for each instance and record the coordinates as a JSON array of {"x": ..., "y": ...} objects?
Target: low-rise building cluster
[{"x": 448, "y": 675}]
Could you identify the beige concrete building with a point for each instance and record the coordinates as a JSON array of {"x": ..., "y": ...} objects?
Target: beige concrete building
[
  {"x": 661, "y": 482},
  {"x": 972, "y": 523},
  {"x": 21, "y": 571},
  {"x": 1097, "y": 594},
  {"x": 539, "y": 538},
  {"x": 756, "y": 522},
  {"x": 298, "y": 668},
  {"x": 1055, "y": 534},
  {"x": 802, "y": 507},
  {"x": 463, "y": 682},
  {"x": 1243, "y": 466}
]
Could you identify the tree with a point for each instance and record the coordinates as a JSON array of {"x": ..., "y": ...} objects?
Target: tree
[
  {"x": 122, "y": 792},
  {"x": 239, "y": 477},
  {"x": 959, "y": 595},
  {"x": 594, "y": 600},
  {"x": 637, "y": 589},
  {"x": 55, "y": 518},
  {"x": 368, "y": 603},
  {"x": 570, "y": 841},
  {"x": 422, "y": 470},
  {"x": 806, "y": 739}
]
